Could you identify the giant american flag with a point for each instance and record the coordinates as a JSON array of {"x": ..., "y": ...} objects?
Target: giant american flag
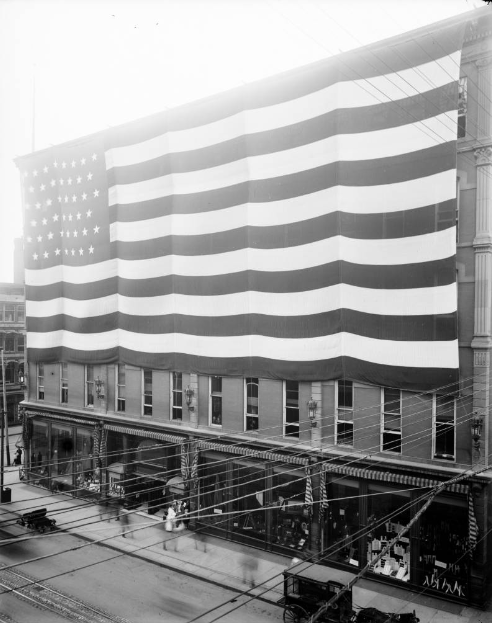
[{"x": 301, "y": 227}]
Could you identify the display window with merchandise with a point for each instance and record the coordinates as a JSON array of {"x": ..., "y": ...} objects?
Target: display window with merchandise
[
  {"x": 342, "y": 522},
  {"x": 389, "y": 512},
  {"x": 444, "y": 544},
  {"x": 212, "y": 491},
  {"x": 87, "y": 477},
  {"x": 250, "y": 500},
  {"x": 291, "y": 517},
  {"x": 39, "y": 452},
  {"x": 61, "y": 453}
]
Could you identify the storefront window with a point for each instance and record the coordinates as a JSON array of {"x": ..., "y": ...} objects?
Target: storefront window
[
  {"x": 39, "y": 450},
  {"x": 249, "y": 500},
  {"x": 212, "y": 493},
  {"x": 85, "y": 478},
  {"x": 61, "y": 457},
  {"x": 443, "y": 561},
  {"x": 291, "y": 519},
  {"x": 343, "y": 522},
  {"x": 388, "y": 512}
]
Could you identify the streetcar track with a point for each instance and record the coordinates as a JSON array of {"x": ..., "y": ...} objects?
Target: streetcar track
[{"x": 41, "y": 595}]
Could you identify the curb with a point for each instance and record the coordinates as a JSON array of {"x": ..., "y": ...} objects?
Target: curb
[{"x": 159, "y": 563}]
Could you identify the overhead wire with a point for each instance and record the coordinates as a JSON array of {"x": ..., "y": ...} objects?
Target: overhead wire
[
  {"x": 355, "y": 458},
  {"x": 246, "y": 511},
  {"x": 422, "y": 435},
  {"x": 282, "y": 435}
]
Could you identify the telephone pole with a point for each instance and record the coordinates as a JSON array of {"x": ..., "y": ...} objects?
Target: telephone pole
[{"x": 5, "y": 493}]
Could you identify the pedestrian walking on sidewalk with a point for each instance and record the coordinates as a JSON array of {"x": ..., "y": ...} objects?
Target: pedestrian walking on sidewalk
[
  {"x": 200, "y": 537},
  {"x": 124, "y": 521},
  {"x": 18, "y": 457},
  {"x": 250, "y": 568},
  {"x": 103, "y": 511},
  {"x": 170, "y": 524}
]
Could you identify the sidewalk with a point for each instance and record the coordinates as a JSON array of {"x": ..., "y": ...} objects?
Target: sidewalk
[{"x": 211, "y": 559}]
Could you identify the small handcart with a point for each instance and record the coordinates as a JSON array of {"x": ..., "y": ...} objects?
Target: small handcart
[{"x": 37, "y": 520}]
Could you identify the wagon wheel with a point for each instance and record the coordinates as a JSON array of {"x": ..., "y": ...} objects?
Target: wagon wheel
[{"x": 295, "y": 614}]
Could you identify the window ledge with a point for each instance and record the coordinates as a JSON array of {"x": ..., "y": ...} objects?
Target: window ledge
[{"x": 445, "y": 457}]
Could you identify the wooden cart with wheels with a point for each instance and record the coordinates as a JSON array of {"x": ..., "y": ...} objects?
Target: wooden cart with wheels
[{"x": 308, "y": 586}]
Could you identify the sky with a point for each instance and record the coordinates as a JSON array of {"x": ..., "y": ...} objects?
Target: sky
[{"x": 72, "y": 67}]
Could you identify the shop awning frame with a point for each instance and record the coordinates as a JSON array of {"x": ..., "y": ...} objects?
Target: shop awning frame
[
  {"x": 392, "y": 477},
  {"x": 149, "y": 434},
  {"x": 255, "y": 454},
  {"x": 68, "y": 419}
]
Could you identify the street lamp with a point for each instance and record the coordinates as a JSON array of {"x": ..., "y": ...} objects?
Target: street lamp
[
  {"x": 476, "y": 429},
  {"x": 312, "y": 406},
  {"x": 99, "y": 383},
  {"x": 189, "y": 393}
]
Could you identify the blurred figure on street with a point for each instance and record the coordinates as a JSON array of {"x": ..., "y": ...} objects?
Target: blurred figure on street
[
  {"x": 170, "y": 524},
  {"x": 124, "y": 521},
  {"x": 18, "y": 457},
  {"x": 250, "y": 568},
  {"x": 200, "y": 537}
]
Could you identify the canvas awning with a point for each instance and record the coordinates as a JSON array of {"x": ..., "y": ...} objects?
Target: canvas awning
[
  {"x": 256, "y": 454},
  {"x": 176, "y": 485},
  {"x": 393, "y": 477},
  {"x": 151, "y": 434}
]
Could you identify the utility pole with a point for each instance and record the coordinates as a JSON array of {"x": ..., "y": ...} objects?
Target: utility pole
[
  {"x": 5, "y": 494},
  {"x": 5, "y": 414}
]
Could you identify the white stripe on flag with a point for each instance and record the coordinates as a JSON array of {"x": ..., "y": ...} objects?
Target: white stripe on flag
[
  {"x": 418, "y": 301},
  {"x": 354, "y": 94},
  {"x": 386, "y": 352}
]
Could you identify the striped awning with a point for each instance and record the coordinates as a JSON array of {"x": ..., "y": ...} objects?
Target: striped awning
[
  {"x": 387, "y": 476},
  {"x": 257, "y": 454},
  {"x": 65, "y": 418},
  {"x": 149, "y": 434}
]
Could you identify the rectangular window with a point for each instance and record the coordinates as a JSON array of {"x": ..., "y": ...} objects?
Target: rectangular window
[
  {"x": 40, "y": 381},
  {"x": 216, "y": 400},
  {"x": 391, "y": 420},
  {"x": 89, "y": 386},
  {"x": 251, "y": 401},
  {"x": 345, "y": 413},
  {"x": 10, "y": 372},
  {"x": 20, "y": 343},
  {"x": 444, "y": 432},
  {"x": 9, "y": 344},
  {"x": 147, "y": 392},
  {"x": 9, "y": 312},
  {"x": 291, "y": 409},
  {"x": 120, "y": 387},
  {"x": 176, "y": 396},
  {"x": 462, "y": 106},
  {"x": 64, "y": 383},
  {"x": 20, "y": 313}
]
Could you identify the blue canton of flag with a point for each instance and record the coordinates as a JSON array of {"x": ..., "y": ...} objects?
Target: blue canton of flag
[{"x": 66, "y": 214}]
